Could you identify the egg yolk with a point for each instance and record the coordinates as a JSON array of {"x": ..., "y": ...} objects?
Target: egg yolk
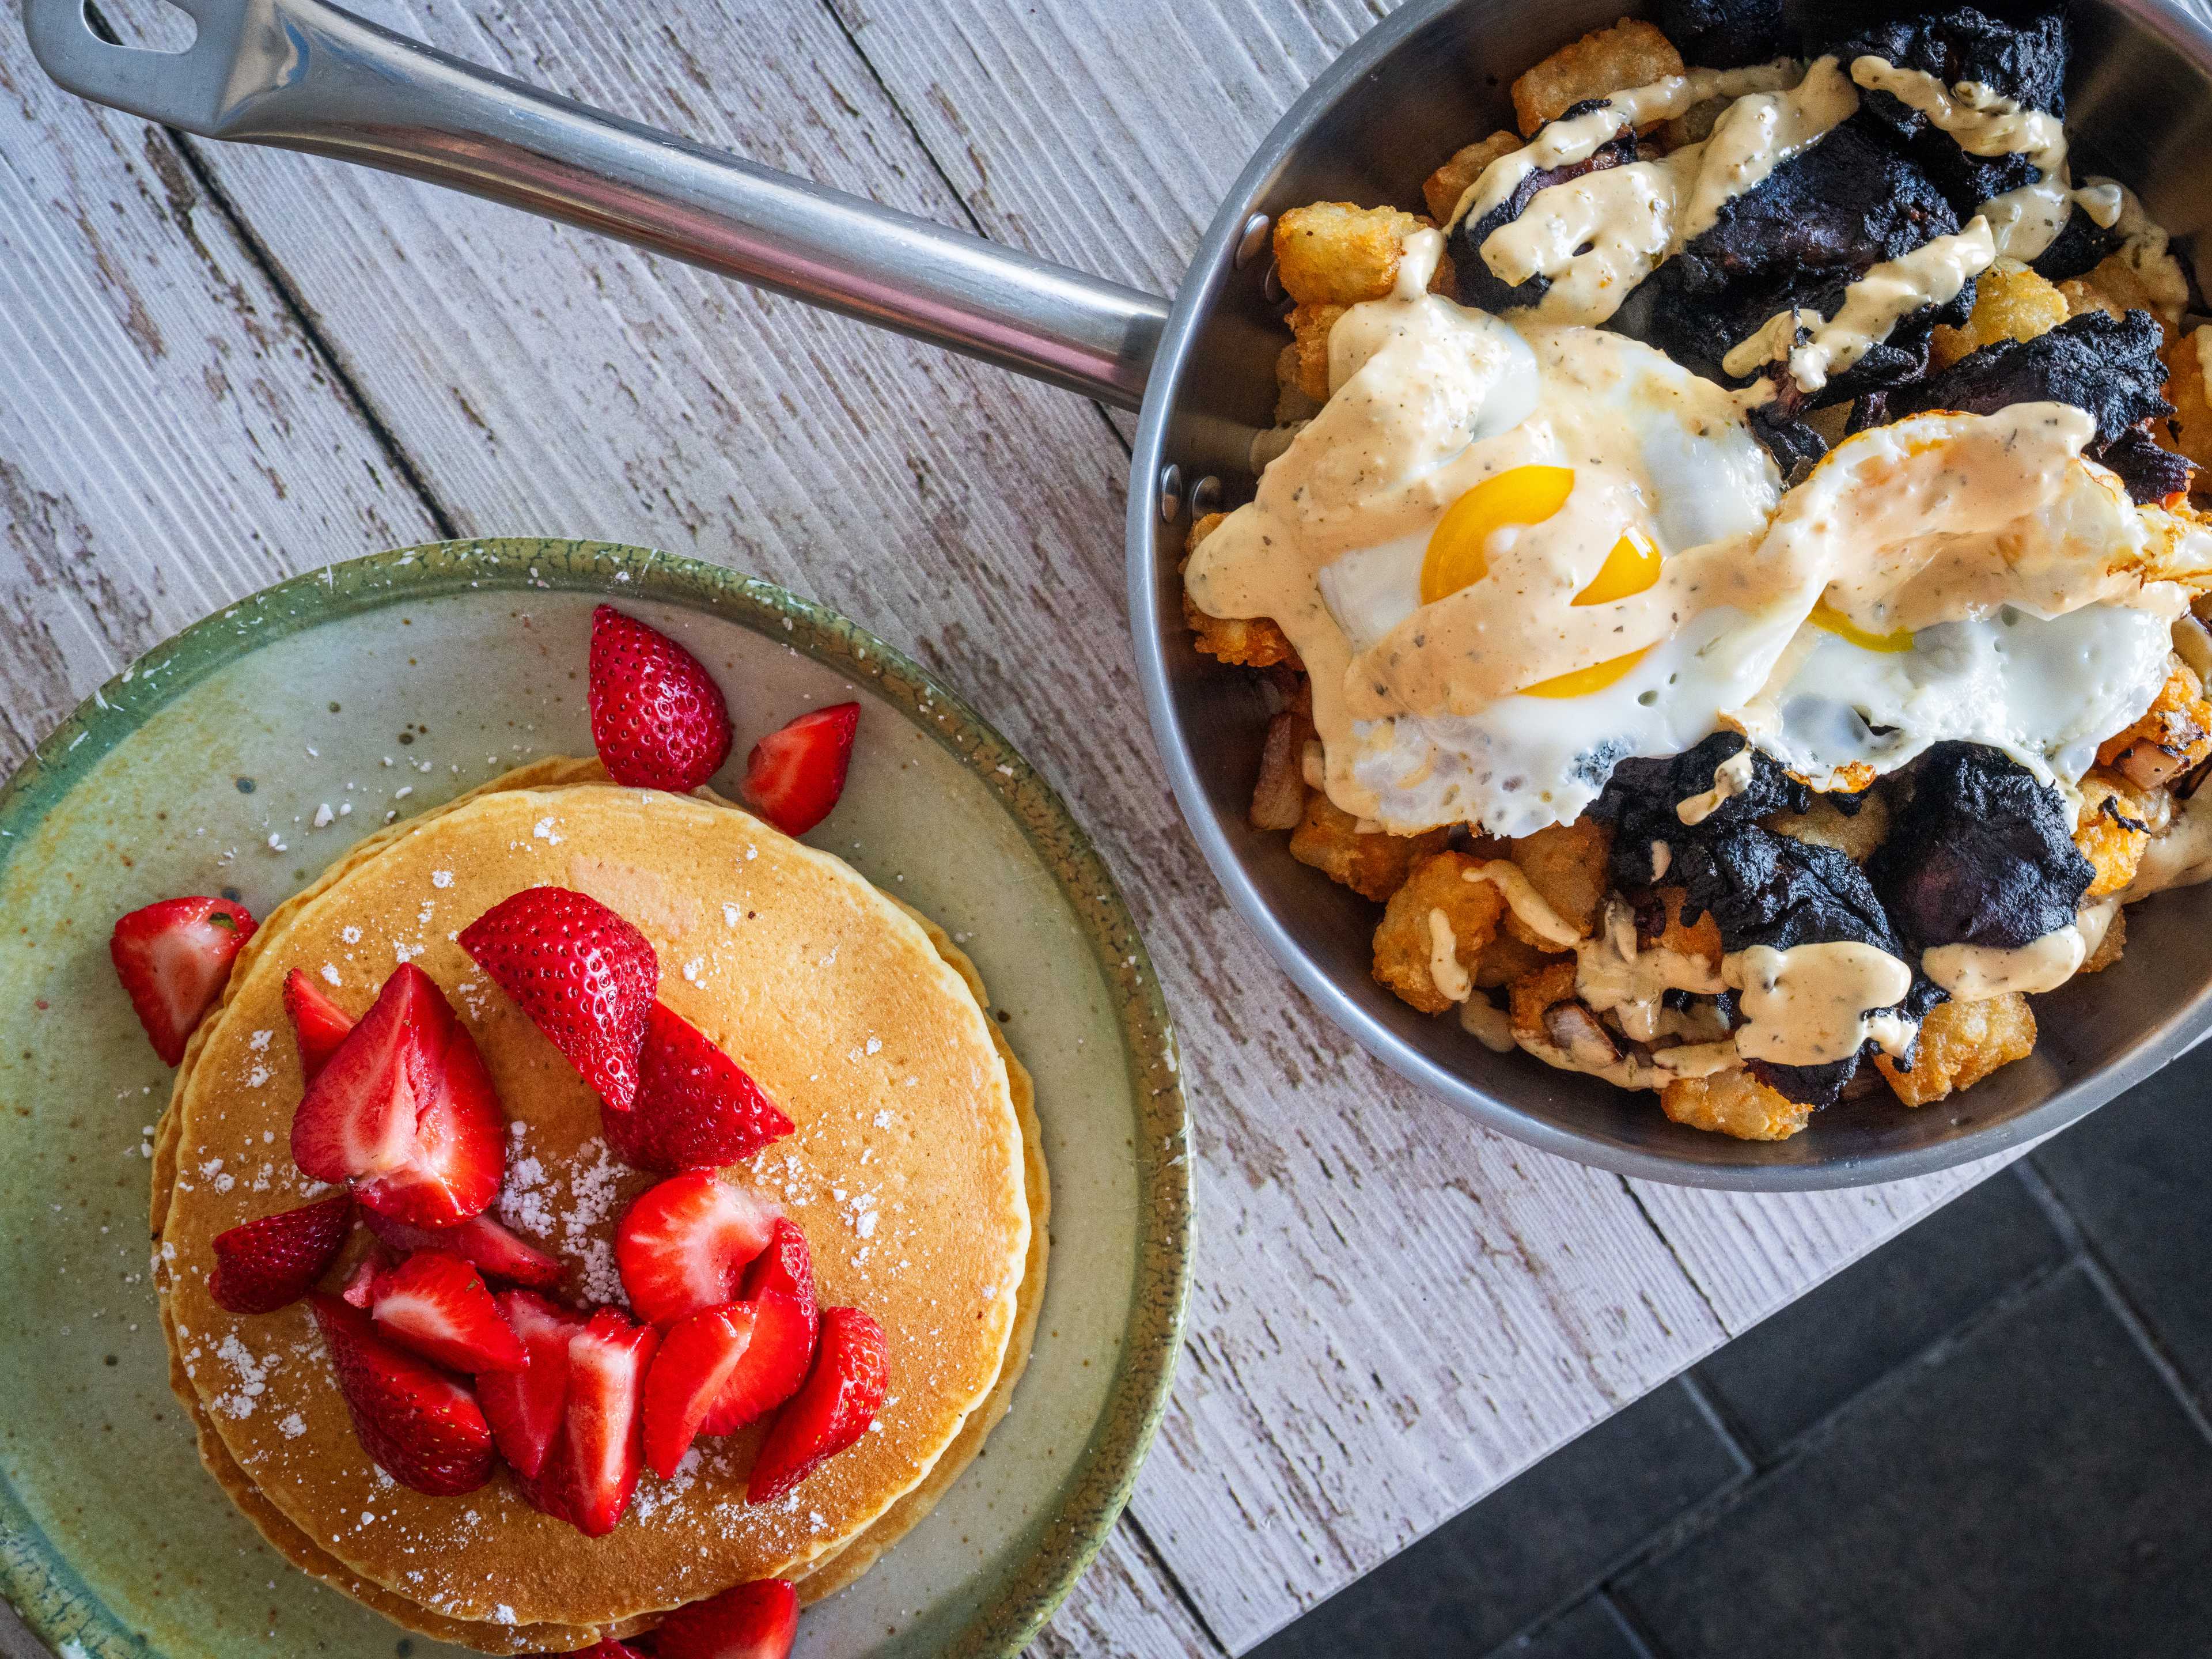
[
  {"x": 1580, "y": 682},
  {"x": 1835, "y": 621},
  {"x": 1518, "y": 495},
  {"x": 1631, "y": 566}
]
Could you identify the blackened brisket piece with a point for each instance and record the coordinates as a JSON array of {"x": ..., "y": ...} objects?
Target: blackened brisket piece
[
  {"x": 1982, "y": 854},
  {"x": 2079, "y": 247},
  {"x": 1478, "y": 286},
  {"x": 1811, "y": 229},
  {"x": 1761, "y": 887},
  {"x": 2024, "y": 59},
  {"x": 1725, "y": 34},
  {"x": 2106, "y": 365}
]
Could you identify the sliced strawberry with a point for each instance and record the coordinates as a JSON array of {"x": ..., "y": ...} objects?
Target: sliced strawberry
[
  {"x": 787, "y": 1265},
  {"x": 318, "y": 1024},
  {"x": 404, "y": 1107},
  {"x": 434, "y": 1304},
  {"x": 833, "y": 1409},
  {"x": 696, "y": 1107},
  {"x": 265, "y": 1265},
  {"x": 794, "y": 775},
  {"x": 172, "y": 958},
  {"x": 696, "y": 1361},
  {"x": 584, "y": 976},
  {"x": 422, "y": 1427},
  {"x": 481, "y": 1241},
  {"x": 753, "y": 1621},
  {"x": 774, "y": 1364},
  {"x": 525, "y": 1407},
  {"x": 453, "y": 1171},
  {"x": 602, "y": 1449},
  {"x": 682, "y": 1244},
  {"x": 658, "y": 718}
]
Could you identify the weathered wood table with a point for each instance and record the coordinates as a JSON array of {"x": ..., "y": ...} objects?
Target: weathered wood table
[{"x": 220, "y": 366}]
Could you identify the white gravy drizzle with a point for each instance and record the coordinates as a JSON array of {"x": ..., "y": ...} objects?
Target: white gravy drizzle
[
  {"x": 1488, "y": 1024},
  {"x": 1886, "y": 296},
  {"x": 1730, "y": 778},
  {"x": 1450, "y": 978},
  {"x": 1975, "y": 973},
  {"x": 1814, "y": 1004},
  {"x": 2181, "y": 855},
  {"x": 1597, "y": 236},
  {"x": 2024, "y": 221},
  {"x": 1521, "y": 897}
]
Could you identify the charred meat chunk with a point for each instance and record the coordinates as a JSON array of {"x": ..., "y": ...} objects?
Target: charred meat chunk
[
  {"x": 2106, "y": 365},
  {"x": 2023, "y": 58},
  {"x": 1812, "y": 226},
  {"x": 1725, "y": 34},
  {"x": 1982, "y": 854},
  {"x": 2079, "y": 247},
  {"x": 1481, "y": 287},
  {"x": 1640, "y": 798},
  {"x": 1761, "y": 887}
]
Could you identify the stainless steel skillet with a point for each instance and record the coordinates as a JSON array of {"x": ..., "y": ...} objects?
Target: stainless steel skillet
[{"x": 302, "y": 74}]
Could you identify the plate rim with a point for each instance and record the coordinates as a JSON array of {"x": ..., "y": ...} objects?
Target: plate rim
[{"x": 41, "y": 1580}]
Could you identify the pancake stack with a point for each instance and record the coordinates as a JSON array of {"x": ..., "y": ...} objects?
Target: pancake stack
[{"x": 914, "y": 1171}]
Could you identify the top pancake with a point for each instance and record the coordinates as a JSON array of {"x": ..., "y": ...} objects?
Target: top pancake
[{"x": 905, "y": 1173}]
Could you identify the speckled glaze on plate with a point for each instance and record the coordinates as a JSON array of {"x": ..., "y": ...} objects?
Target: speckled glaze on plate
[{"x": 389, "y": 684}]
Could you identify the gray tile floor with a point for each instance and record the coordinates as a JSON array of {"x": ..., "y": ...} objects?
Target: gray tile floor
[{"x": 1989, "y": 1438}]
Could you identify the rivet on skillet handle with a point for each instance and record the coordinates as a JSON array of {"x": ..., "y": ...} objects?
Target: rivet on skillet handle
[
  {"x": 303, "y": 74},
  {"x": 1171, "y": 492}
]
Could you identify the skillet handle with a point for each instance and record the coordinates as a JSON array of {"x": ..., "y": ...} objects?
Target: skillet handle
[{"x": 304, "y": 75}]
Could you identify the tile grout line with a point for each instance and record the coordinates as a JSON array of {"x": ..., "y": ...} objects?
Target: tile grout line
[
  {"x": 1721, "y": 1420},
  {"x": 1172, "y": 1579},
  {"x": 1640, "y": 1636},
  {"x": 2140, "y": 1330}
]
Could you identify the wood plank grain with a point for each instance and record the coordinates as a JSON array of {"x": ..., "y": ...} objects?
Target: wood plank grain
[
  {"x": 1396, "y": 1311},
  {"x": 1126, "y": 1606},
  {"x": 168, "y": 440}
]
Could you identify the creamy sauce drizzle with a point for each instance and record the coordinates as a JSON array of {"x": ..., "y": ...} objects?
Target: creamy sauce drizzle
[
  {"x": 2179, "y": 856},
  {"x": 2025, "y": 221},
  {"x": 1931, "y": 275},
  {"x": 1975, "y": 973},
  {"x": 1598, "y": 236},
  {"x": 1521, "y": 897},
  {"x": 1814, "y": 1004},
  {"x": 1730, "y": 778},
  {"x": 1488, "y": 1024},
  {"x": 1450, "y": 978}
]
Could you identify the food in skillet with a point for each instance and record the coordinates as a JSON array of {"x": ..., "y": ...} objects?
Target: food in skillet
[{"x": 1729, "y": 567}]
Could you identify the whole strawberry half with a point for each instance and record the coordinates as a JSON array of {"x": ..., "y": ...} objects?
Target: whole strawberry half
[
  {"x": 422, "y": 1427},
  {"x": 658, "y": 718},
  {"x": 682, "y": 1245},
  {"x": 695, "y": 1107},
  {"x": 795, "y": 775},
  {"x": 318, "y": 1025},
  {"x": 752, "y": 1621},
  {"x": 831, "y": 1410},
  {"x": 405, "y": 1110},
  {"x": 481, "y": 1241},
  {"x": 434, "y": 1304},
  {"x": 584, "y": 976},
  {"x": 525, "y": 1407},
  {"x": 263, "y": 1264},
  {"x": 172, "y": 958}
]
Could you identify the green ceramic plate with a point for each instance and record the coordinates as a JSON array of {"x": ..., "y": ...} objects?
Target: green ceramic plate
[{"x": 390, "y": 684}]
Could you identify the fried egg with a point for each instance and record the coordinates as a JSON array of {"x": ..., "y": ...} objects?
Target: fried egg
[{"x": 1512, "y": 556}]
